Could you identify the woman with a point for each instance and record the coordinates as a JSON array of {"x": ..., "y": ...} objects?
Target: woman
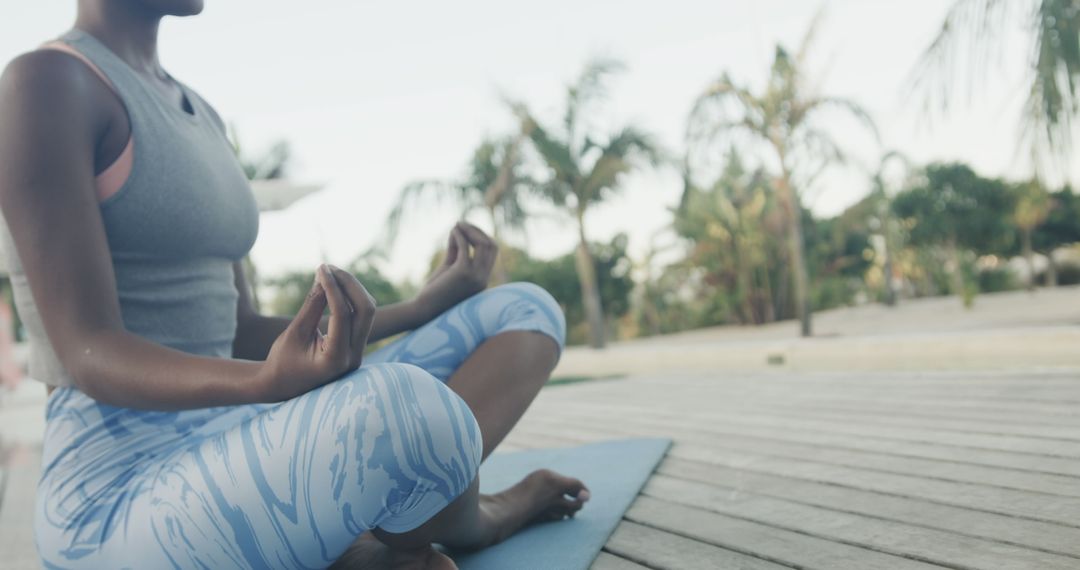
[{"x": 185, "y": 430}]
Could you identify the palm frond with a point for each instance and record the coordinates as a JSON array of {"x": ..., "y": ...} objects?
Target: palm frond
[
  {"x": 413, "y": 194},
  {"x": 622, "y": 153},
  {"x": 980, "y": 24},
  {"x": 726, "y": 99},
  {"x": 848, "y": 106},
  {"x": 590, "y": 86},
  {"x": 556, "y": 154},
  {"x": 1054, "y": 97}
]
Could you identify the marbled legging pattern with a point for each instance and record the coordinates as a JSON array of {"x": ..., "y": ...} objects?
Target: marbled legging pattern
[{"x": 287, "y": 485}]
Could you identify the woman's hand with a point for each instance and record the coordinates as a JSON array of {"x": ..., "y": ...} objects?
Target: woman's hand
[
  {"x": 302, "y": 357},
  {"x": 465, "y": 271}
]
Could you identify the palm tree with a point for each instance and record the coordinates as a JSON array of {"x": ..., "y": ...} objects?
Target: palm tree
[
  {"x": 1032, "y": 207},
  {"x": 886, "y": 222},
  {"x": 1053, "y": 70},
  {"x": 785, "y": 118},
  {"x": 726, "y": 224},
  {"x": 586, "y": 168},
  {"x": 494, "y": 182}
]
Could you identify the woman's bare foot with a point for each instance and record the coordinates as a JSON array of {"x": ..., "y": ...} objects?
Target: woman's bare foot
[{"x": 542, "y": 496}]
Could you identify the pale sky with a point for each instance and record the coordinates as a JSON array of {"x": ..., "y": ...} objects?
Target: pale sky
[{"x": 372, "y": 95}]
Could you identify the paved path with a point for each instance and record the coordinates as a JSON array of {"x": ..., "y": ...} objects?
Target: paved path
[{"x": 1002, "y": 331}]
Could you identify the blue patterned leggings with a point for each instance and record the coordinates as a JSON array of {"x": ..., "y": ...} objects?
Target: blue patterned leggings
[{"x": 286, "y": 485}]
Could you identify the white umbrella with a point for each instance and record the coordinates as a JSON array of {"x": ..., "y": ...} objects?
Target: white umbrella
[{"x": 278, "y": 194}]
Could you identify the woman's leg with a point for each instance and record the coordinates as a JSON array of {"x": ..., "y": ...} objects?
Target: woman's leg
[
  {"x": 495, "y": 349},
  {"x": 291, "y": 486}
]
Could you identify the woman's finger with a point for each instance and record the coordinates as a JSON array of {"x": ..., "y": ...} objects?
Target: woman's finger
[
  {"x": 363, "y": 315},
  {"x": 339, "y": 329},
  {"x": 462, "y": 247},
  {"x": 486, "y": 250},
  {"x": 306, "y": 322},
  {"x": 476, "y": 236},
  {"x": 451, "y": 250}
]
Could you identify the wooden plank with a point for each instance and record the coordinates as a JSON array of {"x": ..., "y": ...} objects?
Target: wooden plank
[
  {"x": 962, "y": 425},
  {"x": 1016, "y": 444},
  {"x": 1068, "y": 486},
  {"x": 899, "y": 539},
  {"x": 979, "y": 524},
  {"x": 924, "y": 450},
  {"x": 764, "y": 541},
  {"x": 663, "y": 550},
  {"x": 1024, "y": 504},
  {"x": 660, "y": 394},
  {"x": 608, "y": 561},
  {"x": 923, "y": 411}
]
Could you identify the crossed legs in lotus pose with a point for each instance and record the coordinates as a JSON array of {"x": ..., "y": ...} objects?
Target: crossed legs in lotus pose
[{"x": 498, "y": 379}]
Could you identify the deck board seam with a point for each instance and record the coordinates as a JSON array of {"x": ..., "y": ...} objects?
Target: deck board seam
[
  {"x": 893, "y": 494},
  {"x": 865, "y": 436},
  {"x": 902, "y": 474},
  {"x": 660, "y": 414},
  {"x": 720, "y": 446},
  {"x": 898, "y": 554},
  {"x": 632, "y": 559},
  {"x": 775, "y": 439},
  {"x": 751, "y": 553},
  {"x": 737, "y": 550},
  {"x": 862, "y": 514}
]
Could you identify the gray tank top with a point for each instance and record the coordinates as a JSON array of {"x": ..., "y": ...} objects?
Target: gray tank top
[{"x": 184, "y": 215}]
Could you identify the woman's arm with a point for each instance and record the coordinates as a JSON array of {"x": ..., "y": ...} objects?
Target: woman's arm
[
  {"x": 52, "y": 113},
  {"x": 465, "y": 271}
]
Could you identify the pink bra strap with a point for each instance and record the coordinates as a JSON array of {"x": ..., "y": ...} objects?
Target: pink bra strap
[
  {"x": 109, "y": 181},
  {"x": 61, "y": 46}
]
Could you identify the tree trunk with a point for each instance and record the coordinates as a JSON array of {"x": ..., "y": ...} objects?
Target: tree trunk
[
  {"x": 744, "y": 278},
  {"x": 1051, "y": 270},
  {"x": 890, "y": 292},
  {"x": 499, "y": 272},
  {"x": 796, "y": 249},
  {"x": 958, "y": 281},
  {"x": 767, "y": 294},
  {"x": 887, "y": 266},
  {"x": 590, "y": 291},
  {"x": 1029, "y": 256}
]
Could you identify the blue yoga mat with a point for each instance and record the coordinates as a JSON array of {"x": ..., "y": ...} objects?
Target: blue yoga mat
[{"x": 614, "y": 472}]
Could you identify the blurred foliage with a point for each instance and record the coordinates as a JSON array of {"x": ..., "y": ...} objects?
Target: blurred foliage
[
  {"x": 956, "y": 208},
  {"x": 732, "y": 229},
  {"x": 1062, "y": 223},
  {"x": 559, "y": 277},
  {"x": 792, "y": 125},
  {"x": 494, "y": 181},
  {"x": 291, "y": 289},
  {"x": 585, "y": 167},
  {"x": 972, "y": 40}
]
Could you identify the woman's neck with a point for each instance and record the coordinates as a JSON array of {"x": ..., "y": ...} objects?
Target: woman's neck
[{"x": 126, "y": 29}]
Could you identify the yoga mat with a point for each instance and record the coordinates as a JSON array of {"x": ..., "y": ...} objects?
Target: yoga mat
[{"x": 614, "y": 472}]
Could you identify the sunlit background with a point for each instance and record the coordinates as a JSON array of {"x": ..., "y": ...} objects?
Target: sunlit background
[{"x": 370, "y": 97}]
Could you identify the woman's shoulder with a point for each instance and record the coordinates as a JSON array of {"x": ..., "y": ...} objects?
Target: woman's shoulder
[{"x": 43, "y": 80}]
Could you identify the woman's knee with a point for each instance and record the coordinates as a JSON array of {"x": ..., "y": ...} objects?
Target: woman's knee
[
  {"x": 529, "y": 306},
  {"x": 438, "y": 438}
]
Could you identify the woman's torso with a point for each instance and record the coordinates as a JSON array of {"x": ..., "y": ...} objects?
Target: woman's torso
[{"x": 179, "y": 218}]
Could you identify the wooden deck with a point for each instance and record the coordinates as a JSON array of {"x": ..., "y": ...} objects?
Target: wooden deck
[
  {"x": 832, "y": 471},
  {"x": 817, "y": 471}
]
